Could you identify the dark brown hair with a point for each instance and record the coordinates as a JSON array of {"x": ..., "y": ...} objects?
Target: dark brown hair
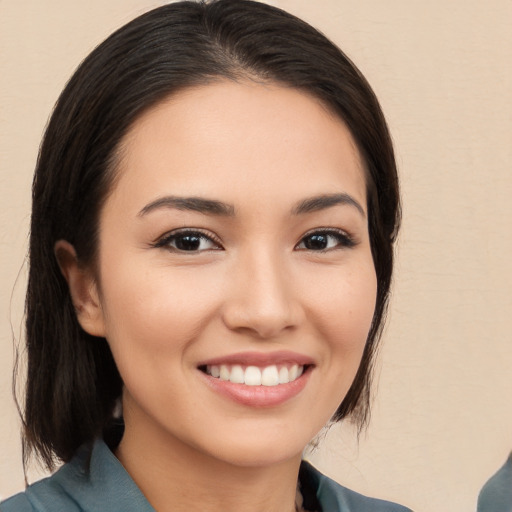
[{"x": 73, "y": 382}]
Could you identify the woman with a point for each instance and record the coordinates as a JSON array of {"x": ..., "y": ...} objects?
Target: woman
[{"x": 214, "y": 210}]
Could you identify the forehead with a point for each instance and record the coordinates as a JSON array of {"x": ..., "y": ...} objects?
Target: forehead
[{"x": 230, "y": 138}]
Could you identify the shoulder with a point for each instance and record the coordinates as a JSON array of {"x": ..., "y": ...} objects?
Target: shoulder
[
  {"x": 42, "y": 496},
  {"x": 94, "y": 480},
  {"x": 52, "y": 493},
  {"x": 496, "y": 494},
  {"x": 18, "y": 503},
  {"x": 334, "y": 497}
]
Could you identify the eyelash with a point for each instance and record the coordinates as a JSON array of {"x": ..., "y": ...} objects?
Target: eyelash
[
  {"x": 344, "y": 240},
  {"x": 166, "y": 240}
]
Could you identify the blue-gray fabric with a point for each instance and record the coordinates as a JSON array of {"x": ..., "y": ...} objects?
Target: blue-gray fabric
[
  {"x": 94, "y": 482},
  {"x": 496, "y": 494}
]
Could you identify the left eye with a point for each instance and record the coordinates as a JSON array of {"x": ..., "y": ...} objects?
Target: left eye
[
  {"x": 189, "y": 241},
  {"x": 325, "y": 240}
]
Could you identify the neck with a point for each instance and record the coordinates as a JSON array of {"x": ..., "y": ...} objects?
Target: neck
[{"x": 177, "y": 477}]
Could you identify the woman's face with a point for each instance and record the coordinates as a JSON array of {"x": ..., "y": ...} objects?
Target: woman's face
[{"x": 234, "y": 255}]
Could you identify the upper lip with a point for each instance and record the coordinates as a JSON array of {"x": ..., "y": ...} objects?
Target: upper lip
[{"x": 260, "y": 359}]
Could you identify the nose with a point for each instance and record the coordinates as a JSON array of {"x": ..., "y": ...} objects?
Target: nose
[{"x": 263, "y": 300}]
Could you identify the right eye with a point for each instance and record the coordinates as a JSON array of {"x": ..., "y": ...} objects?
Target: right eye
[
  {"x": 188, "y": 241},
  {"x": 323, "y": 240}
]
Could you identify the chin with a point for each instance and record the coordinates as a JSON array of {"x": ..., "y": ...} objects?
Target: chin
[
  {"x": 260, "y": 456},
  {"x": 263, "y": 447}
]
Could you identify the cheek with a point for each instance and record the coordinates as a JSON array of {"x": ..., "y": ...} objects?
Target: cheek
[
  {"x": 345, "y": 308},
  {"x": 159, "y": 309},
  {"x": 342, "y": 308}
]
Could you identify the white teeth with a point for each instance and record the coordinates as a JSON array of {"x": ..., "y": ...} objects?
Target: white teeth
[
  {"x": 253, "y": 376},
  {"x": 270, "y": 376},
  {"x": 237, "y": 374},
  {"x": 293, "y": 372},
  {"x": 224, "y": 372}
]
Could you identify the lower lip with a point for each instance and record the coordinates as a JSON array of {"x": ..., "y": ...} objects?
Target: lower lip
[{"x": 258, "y": 396}]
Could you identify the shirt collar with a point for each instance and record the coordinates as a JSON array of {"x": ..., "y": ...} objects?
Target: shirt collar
[{"x": 96, "y": 480}]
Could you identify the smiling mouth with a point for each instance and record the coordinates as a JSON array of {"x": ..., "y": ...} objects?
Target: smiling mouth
[{"x": 271, "y": 375}]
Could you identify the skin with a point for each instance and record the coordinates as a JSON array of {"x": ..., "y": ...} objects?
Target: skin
[{"x": 262, "y": 149}]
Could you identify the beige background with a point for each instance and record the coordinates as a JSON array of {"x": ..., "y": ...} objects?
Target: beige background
[{"x": 442, "y": 420}]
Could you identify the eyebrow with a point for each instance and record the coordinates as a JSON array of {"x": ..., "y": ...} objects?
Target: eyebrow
[
  {"x": 214, "y": 207},
  {"x": 322, "y": 202},
  {"x": 194, "y": 204}
]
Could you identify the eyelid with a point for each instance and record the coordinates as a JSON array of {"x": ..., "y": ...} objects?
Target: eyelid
[
  {"x": 348, "y": 242},
  {"x": 163, "y": 240}
]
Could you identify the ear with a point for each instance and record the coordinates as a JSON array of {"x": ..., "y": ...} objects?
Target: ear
[{"x": 82, "y": 288}]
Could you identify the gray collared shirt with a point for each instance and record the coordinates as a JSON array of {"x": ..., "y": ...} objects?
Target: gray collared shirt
[{"x": 97, "y": 482}]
